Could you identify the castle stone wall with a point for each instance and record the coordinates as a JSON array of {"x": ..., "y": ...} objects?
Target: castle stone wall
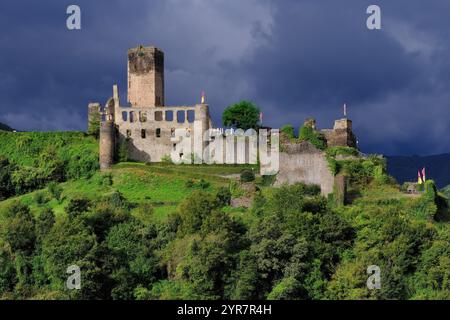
[
  {"x": 302, "y": 162},
  {"x": 149, "y": 133}
]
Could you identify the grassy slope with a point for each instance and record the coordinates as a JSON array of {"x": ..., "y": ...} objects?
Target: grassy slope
[
  {"x": 163, "y": 185},
  {"x": 24, "y": 147}
]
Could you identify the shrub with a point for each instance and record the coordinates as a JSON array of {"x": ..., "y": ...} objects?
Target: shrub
[
  {"x": 55, "y": 190},
  {"x": 189, "y": 183},
  {"x": 268, "y": 180},
  {"x": 40, "y": 197},
  {"x": 288, "y": 131},
  {"x": 195, "y": 209},
  {"x": 247, "y": 175},
  {"x": 44, "y": 222},
  {"x": 144, "y": 212},
  {"x": 105, "y": 179},
  {"x": 19, "y": 227},
  {"x": 223, "y": 197},
  {"x": 77, "y": 206},
  {"x": 203, "y": 184},
  {"x": 94, "y": 125},
  {"x": 309, "y": 134}
]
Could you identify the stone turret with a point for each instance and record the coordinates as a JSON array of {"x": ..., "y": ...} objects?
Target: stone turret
[
  {"x": 107, "y": 144},
  {"x": 107, "y": 136}
]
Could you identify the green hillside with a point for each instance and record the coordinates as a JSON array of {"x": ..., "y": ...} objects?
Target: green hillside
[
  {"x": 163, "y": 186},
  {"x": 30, "y": 160},
  {"x": 164, "y": 231},
  {"x": 26, "y": 148}
]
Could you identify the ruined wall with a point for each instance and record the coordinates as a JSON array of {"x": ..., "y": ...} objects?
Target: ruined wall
[
  {"x": 302, "y": 162},
  {"x": 341, "y": 135},
  {"x": 145, "y": 77},
  {"x": 149, "y": 132}
]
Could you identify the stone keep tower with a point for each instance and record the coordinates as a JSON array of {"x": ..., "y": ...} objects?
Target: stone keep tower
[{"x": 145, "y": 77}]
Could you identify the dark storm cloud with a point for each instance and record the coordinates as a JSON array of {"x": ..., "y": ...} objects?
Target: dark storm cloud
[{"x": 293, "y": 58}]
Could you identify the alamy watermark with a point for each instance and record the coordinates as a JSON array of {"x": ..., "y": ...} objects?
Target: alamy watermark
[
  {"x": 213, "y": 146},
  {"x": 74, "y": 280},
  {"x": 374, "y": 281},
  {"x": 73, "y": 22},
  {"x": 374, "y": 20}
]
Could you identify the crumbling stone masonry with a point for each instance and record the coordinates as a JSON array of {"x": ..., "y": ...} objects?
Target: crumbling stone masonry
[
  {"x": 146, "y": 127},
  {"x": 303, "y": 162}
]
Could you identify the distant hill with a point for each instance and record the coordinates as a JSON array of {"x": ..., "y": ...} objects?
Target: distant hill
[
  {"x": 404, "y": 168},
  {"x": 5, "y": 127}
]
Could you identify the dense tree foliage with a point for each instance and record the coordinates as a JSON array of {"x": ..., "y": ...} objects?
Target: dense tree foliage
[
  {"x": 292, "y": 243},
  {"x": 31, "y": 160},
  {"x": 242, "y": 115}
]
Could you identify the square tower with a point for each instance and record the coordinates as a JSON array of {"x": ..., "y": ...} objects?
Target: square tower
[{"x": 145, "y": 77}]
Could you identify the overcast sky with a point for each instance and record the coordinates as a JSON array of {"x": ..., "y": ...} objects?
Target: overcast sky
[{"x": 294, "y": 59}]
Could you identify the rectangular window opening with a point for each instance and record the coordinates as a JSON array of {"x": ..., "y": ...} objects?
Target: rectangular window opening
[
  {"x": 181, "y": 116},
  {"x": 158, "y": 116},
  {"x": 169, "y": 115},
  {"x": 191, "y": 116}
]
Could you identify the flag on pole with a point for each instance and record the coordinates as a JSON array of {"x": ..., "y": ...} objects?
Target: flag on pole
[
  {"x": 423, "y": 175},
  {"x": 260, "y": 117},
  {"x": 419, "y": 178},
  {"x": 203, "y": 97},
  {"x": 345, "y": 110}
]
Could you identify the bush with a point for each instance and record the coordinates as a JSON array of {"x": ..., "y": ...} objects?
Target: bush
[
  {"x": 77, "y": 206},
  {"x": 247, "y": 176},
  {"x": 288, "y": 131},
  {"x": 44, "y": 222},
  {"x": 94, "y": 125},
  {"x": 195, "y": 209},
  {"x": 189, "y": 183},
  {"x": 105, "y": 180},
  {"x": 40, "y": 197},
  {"x": 55, "y": 190},
  {"x": 19, "y": 227},
  {"x": 316, "y": 138},
  {"x": 268, "y": 180},
  {"x": 223, "y": 197},
  {"x": 203, "y": 184}
]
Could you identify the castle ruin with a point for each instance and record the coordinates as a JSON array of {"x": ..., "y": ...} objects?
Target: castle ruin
[{"x": 146, "y": 127}]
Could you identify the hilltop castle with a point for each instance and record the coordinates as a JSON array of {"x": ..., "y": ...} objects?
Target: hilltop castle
[{"x": 146, "y": 127}]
